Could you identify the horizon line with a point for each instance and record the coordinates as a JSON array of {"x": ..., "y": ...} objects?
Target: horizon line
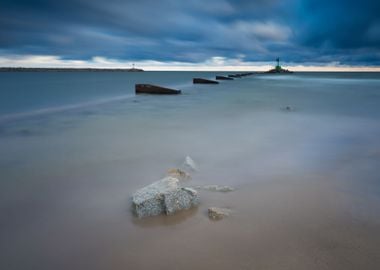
[
  {"x": 215, "y": 63},
  {"x": 200, "y": 68}
]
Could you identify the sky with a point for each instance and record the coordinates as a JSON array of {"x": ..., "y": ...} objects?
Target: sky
[{"x": 191, "y": 34}]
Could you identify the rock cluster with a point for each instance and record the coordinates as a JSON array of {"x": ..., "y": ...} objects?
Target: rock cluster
[{"x": 167, "y": 196}]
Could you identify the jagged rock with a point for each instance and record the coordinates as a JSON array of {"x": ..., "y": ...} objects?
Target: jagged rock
[
  {"x": 218, "y": 213},
  {"x": 164, "y": 196},
  {"x": 179, "y": 174},
  {"x": 190, "y": 165},
  {"x": 216, "y": 188}
]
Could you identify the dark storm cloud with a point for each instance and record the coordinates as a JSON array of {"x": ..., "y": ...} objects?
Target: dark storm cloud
[
  {"x": 192, "y": 31},
  {"x": 340, "y": 24}
]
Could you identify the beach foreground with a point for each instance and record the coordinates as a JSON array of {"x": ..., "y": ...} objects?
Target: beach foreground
[{"x": 301, "y": 150}]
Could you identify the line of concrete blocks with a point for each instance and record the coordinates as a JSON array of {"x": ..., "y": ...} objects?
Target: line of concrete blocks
[{"x": 159, "y": 90}]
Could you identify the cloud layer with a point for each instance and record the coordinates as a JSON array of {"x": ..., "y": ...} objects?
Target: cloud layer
[{"x": 173, "y": 31}]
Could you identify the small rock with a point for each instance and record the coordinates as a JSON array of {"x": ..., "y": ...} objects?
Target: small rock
[
  {"x": 216, "y": 213},
  {"x": 289, "y": 109},
  {"x": 216, "y": 188},
  {"x": 190, "y": 164},
  {"x": 164, "y": 196},
  {"x": 179, "y": 174}
]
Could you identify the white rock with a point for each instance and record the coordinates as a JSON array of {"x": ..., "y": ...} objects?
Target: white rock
[
  {"x": 164, "y": 196},
  {"x": 189, "y": 164}
]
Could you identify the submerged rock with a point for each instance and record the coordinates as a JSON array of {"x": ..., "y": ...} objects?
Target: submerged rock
[
  {"x": 190, "y": 165},
  {"x": 165, "y": 196},
  {"x": 179, "y": 174},
  {"x": 218, "y": 213},
  {"x": 288, "y": 108},
  {"x": 216, "y": 188}
]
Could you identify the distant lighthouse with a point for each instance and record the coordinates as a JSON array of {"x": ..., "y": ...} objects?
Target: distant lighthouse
[
  {"x": 134, "y": 69},
  {"x": 278, "y": 67}
]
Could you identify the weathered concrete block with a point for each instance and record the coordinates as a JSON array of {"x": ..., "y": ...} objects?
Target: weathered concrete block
[
  {"x": 164, "y": 196},
  {"x": 224, "y": 78},
  {"x": 204, "y": 81},
  {"x": 155, "y": 90}
]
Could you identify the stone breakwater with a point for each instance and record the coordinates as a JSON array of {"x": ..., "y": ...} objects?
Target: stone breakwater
[{"x": 146, "y": 88}]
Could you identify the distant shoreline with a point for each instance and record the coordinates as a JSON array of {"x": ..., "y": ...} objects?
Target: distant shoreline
[
  {"x": 36, "y": 69},
  {"x": 25, "y": 69}
]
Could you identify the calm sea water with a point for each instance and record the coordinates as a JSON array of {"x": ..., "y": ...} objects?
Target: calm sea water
[{"x": 74, "y": 146}]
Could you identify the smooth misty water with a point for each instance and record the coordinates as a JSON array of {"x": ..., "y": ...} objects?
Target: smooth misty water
[{"x": 74, "y": 146}]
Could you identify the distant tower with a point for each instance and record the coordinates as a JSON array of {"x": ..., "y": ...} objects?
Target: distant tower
[
  {"x": 278, "y": 67},
  {"x": 133, "y": 65}
]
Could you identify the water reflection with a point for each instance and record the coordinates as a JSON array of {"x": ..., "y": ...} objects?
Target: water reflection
[{"x": 165, "y": 220}]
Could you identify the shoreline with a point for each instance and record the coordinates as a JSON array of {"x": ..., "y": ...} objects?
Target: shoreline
[
  {"x": 26, "y": 69},
  {"x": 52, "y": 69}
]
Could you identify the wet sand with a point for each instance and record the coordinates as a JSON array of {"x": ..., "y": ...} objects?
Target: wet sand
[
  {"x": 307, "y": 193},
  {"x": 280, "y": 223}
]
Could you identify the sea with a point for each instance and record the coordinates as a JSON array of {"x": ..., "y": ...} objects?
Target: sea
[{"x": 302, "y": 151}]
